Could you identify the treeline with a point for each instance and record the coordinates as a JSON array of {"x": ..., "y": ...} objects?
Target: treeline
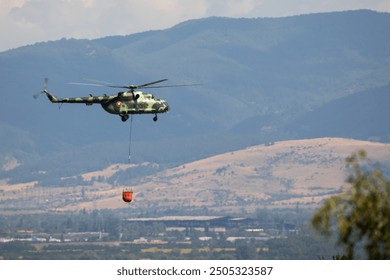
[{"x": 57, "y": 223}]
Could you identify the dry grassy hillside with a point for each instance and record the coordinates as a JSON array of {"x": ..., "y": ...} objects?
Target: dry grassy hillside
[
  {"x": 285, "y": 174},
  {"x": 280, "y": 175}
]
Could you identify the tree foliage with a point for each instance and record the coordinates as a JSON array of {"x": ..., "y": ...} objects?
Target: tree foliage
[{"x": 361, "y": 215}]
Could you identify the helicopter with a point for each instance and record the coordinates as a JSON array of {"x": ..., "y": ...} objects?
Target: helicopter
[{"x": 124, "y": 103}]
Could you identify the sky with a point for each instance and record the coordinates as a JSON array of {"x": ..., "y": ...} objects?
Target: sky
[{"x": 24, "y": 22}]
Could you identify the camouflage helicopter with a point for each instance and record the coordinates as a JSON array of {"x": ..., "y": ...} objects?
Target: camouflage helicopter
[{"x": 124, "y": 103}]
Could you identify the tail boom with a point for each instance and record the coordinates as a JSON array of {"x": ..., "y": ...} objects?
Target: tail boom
[{"x": 52, "y": 97}]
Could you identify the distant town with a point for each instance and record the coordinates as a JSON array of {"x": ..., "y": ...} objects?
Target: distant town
[{"x": 173, "y": 237}]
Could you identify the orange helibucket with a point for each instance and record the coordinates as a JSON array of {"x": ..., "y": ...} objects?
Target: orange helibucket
[{"x": 127, "y": 196}]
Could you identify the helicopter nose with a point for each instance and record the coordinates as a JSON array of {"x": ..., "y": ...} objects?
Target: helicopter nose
[{"x": 166, "y": 106}]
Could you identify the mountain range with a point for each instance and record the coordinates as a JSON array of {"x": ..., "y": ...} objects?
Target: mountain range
[{"x": 260, "y": 80}]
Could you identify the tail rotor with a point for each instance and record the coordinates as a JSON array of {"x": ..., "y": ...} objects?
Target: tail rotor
[{"x": 45, "y": 83}]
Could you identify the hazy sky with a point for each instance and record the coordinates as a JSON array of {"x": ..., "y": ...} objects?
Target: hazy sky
[{"x": 25, "y": 22}]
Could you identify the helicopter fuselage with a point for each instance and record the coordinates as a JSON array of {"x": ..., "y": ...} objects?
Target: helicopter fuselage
[
  {"x": 124, "y": 103},
  {"x": 127, "y": 103}
]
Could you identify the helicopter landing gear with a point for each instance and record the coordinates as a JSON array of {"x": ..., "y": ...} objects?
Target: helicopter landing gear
[
  {"x": 124, "y": 118},
  {"x": 155, "y": 118}
]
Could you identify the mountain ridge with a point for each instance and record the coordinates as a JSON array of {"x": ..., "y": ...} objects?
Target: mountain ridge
[{"x": 260, "y": 75}]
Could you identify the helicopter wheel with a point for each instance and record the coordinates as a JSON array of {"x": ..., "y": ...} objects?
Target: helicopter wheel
[
  {"x": 155, "y": 118},
  {"x": 124, "y": 118}
]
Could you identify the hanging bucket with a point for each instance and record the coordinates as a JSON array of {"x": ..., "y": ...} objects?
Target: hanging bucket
[{"x": 127, "y": 196}]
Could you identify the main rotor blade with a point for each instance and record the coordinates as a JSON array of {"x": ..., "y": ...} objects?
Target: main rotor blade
[
  {"x": 168, "y": 86},
  {"x": 132, "y": 87},
  {"x": 128, "y": 87},
  {"x": 103, "y": 83},
  {"x": 152, "y": 83},
  {"x": 87, "y": 84}
]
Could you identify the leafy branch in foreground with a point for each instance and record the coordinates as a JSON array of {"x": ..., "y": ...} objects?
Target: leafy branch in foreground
[{"x": 361, "y": 215}]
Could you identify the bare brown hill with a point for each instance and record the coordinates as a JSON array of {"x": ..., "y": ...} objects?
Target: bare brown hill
[
  {"x": 284, "y": 174},
  {"x": 280, "y": 175}
]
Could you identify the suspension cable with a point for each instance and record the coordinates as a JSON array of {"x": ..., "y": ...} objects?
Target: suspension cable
[{"x": 131, "y": 128}]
